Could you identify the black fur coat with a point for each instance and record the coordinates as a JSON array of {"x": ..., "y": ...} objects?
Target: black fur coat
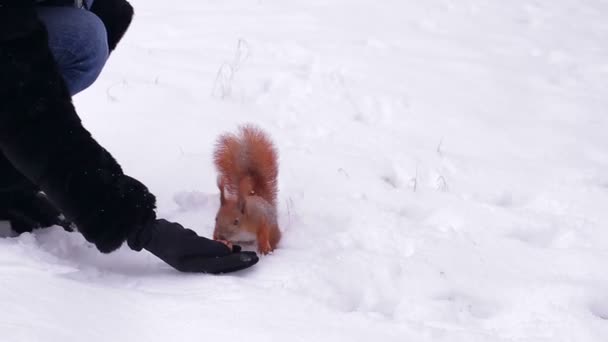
[{"x": 42, "y": 136}]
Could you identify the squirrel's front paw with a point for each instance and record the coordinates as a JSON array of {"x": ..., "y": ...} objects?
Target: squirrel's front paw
[{"x": 264, "y": 248}]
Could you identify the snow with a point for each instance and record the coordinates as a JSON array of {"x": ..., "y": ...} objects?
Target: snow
[{"x": 443, "y": 175}]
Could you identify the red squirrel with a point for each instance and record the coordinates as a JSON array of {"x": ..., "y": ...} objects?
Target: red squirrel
[{"x": 247, "y": 164}]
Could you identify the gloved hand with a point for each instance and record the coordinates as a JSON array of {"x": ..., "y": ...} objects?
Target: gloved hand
[{"x": 185, "y": 251}]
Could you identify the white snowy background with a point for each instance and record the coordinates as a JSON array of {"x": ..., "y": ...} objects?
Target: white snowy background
[{"x": 443, "y": 176}]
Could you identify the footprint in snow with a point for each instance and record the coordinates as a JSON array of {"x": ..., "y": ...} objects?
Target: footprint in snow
[
  {"x": 600, "y": 309},
  {"x": 192, "y": 200}
]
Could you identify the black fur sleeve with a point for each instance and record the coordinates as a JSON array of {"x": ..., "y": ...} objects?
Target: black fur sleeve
[
  {"x": 116, "y": 16},
  {"x": 17, "y": 18},
  {"x": 42, "y": 136}
]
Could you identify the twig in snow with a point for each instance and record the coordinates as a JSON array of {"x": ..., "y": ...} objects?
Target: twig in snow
[
  {"x": 241, "y": 54},
  {"x": 222, "y": 86},
  {"x": 442, "y": 184},
  {"x": 289, "y": 205},
  {"x": 109, "y": 95},
  {"x": 392, "y": 181},
  {"x": 342, "y": 171},
  {"x": 414, "y": 181}
]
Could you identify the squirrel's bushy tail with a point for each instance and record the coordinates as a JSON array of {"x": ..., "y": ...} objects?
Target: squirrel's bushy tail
[{"x": 248, "y": 161}]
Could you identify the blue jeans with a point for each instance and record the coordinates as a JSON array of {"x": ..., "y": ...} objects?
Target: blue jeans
[{"x": 78, "y": 41}]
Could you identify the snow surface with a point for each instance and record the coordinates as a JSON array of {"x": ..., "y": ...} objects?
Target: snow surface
[{"x": 444, "y": 175}]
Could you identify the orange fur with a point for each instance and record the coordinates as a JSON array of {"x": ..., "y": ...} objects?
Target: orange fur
[{"x": 247, "y": 164}]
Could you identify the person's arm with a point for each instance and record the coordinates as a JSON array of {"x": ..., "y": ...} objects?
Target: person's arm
[{"x": 43, "y": 137}]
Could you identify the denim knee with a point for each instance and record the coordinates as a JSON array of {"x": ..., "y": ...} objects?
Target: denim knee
[
  {"x": 78, "y": 41},
  {"x": 94, "y": 53}
]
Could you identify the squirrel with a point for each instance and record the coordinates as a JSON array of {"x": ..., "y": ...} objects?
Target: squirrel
[{"x": 247, "y": 163}]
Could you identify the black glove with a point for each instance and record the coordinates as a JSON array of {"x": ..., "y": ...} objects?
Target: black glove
[{"x": 185, "y": 251}]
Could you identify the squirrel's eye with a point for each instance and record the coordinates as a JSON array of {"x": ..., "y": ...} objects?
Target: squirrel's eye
[{"x": 236, "y": 222}]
